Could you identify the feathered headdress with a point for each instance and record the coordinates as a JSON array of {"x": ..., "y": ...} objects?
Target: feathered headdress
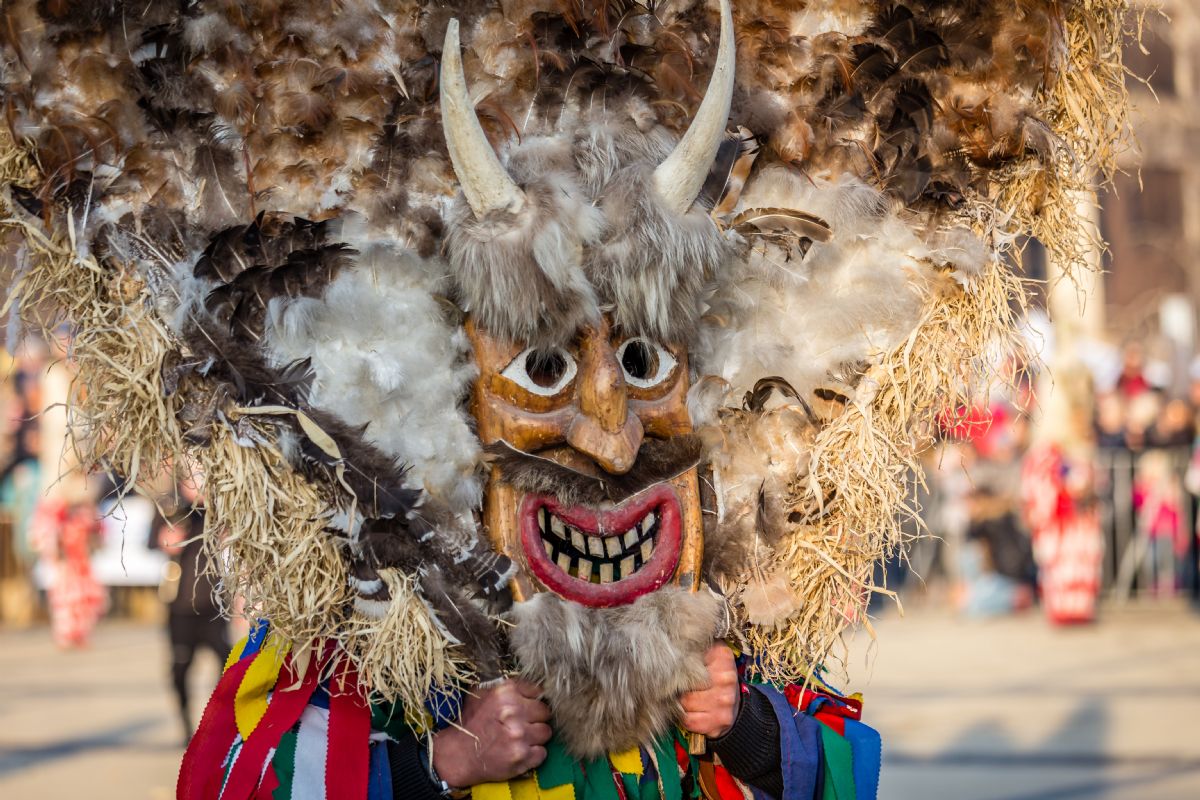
[{"x": 266, "y": 222}]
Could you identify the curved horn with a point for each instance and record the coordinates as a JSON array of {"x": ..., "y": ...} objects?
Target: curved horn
[
  {"x": 680, "y": 177},
  {"x": 485, "y": 183}
]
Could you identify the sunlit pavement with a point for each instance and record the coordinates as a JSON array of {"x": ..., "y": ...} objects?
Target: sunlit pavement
[
  {"x": 1013, "y": 709},
  {"x": 1003, "y": 710},
  {"x": 98, "y": 723}
]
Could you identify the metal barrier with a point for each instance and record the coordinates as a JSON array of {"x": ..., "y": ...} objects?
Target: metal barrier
[{"x": 1133, "y": 562}]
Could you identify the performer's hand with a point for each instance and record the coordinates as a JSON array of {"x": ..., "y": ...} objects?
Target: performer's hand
[
  {"x": 503, "y": 730},
  {"x": 712, "y": 710}
]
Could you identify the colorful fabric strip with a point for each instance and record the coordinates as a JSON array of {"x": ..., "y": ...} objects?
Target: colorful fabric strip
[
  {"x": 348, "y": 755},
  {"x": 868, "y": 753},
  {"x": 201, "y": 773},
  {"x": 285, "y": 709},
  {"x": 839, "y": 766},
  {"x": 799, "y": 747}
]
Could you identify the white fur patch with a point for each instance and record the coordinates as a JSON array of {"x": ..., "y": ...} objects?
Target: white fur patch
[{"x": 385, "y": 356}]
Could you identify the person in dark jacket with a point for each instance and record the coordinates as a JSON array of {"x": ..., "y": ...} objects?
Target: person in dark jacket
[{"x": 194, "y": 618}]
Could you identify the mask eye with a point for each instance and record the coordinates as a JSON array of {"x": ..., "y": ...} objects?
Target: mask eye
[
  {"x": 645, "y": 363},
  {"x": 543, "y": 371}
]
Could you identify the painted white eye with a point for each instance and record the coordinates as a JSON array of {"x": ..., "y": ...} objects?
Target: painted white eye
[
  {"x": 645, "y": 363},
  {"x": 545, "y": 371}
]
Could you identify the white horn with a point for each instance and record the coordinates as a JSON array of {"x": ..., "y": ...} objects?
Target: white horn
[
  {"x": 681, "y": 176},
  {"x": 485, "y": 183}
]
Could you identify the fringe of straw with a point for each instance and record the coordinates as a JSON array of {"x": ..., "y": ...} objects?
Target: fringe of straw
[
  {"x": 869, "y": 458},
  {"x": 264, "y": 525}
]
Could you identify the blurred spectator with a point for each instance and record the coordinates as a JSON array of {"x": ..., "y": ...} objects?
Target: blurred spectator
[
  {"x": 66, "y": 523},
  {"x": 65, "y": 535},
  {"x": 1158, "y": 501},
  {"x": 1132, "y": 381},
  {"x": 1174, "y": 426},
  {"x": 997, "y": 564},
  {"x": 1142, "y": 414},
  {"x": 1110, "y": 420},
  {"x": 194, "y": 618}
]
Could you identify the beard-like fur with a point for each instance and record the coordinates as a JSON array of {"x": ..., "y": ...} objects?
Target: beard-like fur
[{"x": 613, "y": 676}]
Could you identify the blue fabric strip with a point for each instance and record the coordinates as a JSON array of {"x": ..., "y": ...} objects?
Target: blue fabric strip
[
  {"x": 868, "y": 754},
  {"x": 379, "y": 782},
  {"x": 799, "y": 747},
  {"x": 254, "y": 642},
  {"x": 444, "y": 705},
  {"x": 320, "y": 697}
]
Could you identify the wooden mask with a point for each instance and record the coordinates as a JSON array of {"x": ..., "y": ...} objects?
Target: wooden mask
[{"x": 569, "y": 425}]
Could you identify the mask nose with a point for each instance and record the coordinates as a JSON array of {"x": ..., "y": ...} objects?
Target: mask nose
[{"x": 604, "y": 430}]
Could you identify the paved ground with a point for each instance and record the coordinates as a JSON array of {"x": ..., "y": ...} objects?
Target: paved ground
[
  {"x": 96, "y": 724},
  {"x": 1007, "y": 710},
  {"x": 1015, "y": 710}
]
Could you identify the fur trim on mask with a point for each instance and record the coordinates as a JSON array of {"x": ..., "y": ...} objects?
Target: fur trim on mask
[
  {"x": 613, "y": 676},
  {"x": 655, "y": 267},
  {"x": 521, "y": 274},
  {"x": 538, "y": 275}
]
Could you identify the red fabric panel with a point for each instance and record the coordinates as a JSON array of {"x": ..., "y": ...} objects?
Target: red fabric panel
[
  {"x": 849, "y": 707},
  {"x": 833, "y": 721},
  {"x": 348, "y": 756},
  {"x": 726, "y": 785},
  {"x": 282, "y": 713},
  {"x": 202, "y": 769},
  {"x": 270, "y": 783}
]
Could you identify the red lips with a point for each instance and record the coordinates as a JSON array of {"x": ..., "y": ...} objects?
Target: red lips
[{"x": 573, "y": 534}]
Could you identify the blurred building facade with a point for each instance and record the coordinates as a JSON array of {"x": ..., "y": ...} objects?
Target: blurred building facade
[{"x": 1151, "y": 215}]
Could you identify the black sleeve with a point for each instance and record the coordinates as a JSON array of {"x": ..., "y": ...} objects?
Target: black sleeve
[
  {"x": 750, "y": 749},
  {"x": 410, "y": 778}
]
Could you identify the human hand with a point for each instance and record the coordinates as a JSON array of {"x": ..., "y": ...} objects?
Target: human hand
[
  {"x": 500, "y": 735},
  {"x": 711, "y": 711},
  {"x": 170, "y": 539}
]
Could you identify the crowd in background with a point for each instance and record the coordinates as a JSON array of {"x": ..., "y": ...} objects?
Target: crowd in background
[{"x": 1127, "y": 486}]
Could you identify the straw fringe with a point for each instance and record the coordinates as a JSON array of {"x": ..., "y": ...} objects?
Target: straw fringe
[
  {"x": 868, "y": 458},
  {"x": 1086, "y": 105},
  {"x": 264, "y": 526}
]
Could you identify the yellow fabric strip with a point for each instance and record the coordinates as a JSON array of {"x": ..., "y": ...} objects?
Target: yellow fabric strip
[
  {"x": 491, "y": 791},
  {"x": 564, "y": 792},
  {"x": 628, "y": 762},
  {"x": 236, "y": 653},
  {"x": 521, "y": 789},
  {"x": 250, "y": 703},
  {"x": 524, "y": 789}
]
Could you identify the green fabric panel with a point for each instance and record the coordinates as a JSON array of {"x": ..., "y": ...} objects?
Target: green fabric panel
[
  {"x": 389, "y": 718},
  {"x": 599, "y": 781},
  {"x": 229, "y": 759},
  {"x": 285, "y": 766},
  {"x": 693, "y": 766},
  {"x": 558, "y": 769},
  {"x": 839, "y": 766},
  {"x": 668, "y": 771},
  {"x": 631, "y": 786}
]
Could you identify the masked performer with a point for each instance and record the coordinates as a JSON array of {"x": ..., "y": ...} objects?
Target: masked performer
[{"x": 557, "y": 369}]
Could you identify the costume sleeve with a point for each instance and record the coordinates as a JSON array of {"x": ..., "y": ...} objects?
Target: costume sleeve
[
  {"x": 750, "y": 750},
  {"x": 410, "y": 778}
]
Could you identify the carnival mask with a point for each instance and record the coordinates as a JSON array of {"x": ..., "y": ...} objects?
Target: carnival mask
[{"x": 593, "y": 487}]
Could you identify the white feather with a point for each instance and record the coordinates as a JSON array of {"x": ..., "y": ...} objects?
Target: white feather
[{"x": 383, "y": 355}]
